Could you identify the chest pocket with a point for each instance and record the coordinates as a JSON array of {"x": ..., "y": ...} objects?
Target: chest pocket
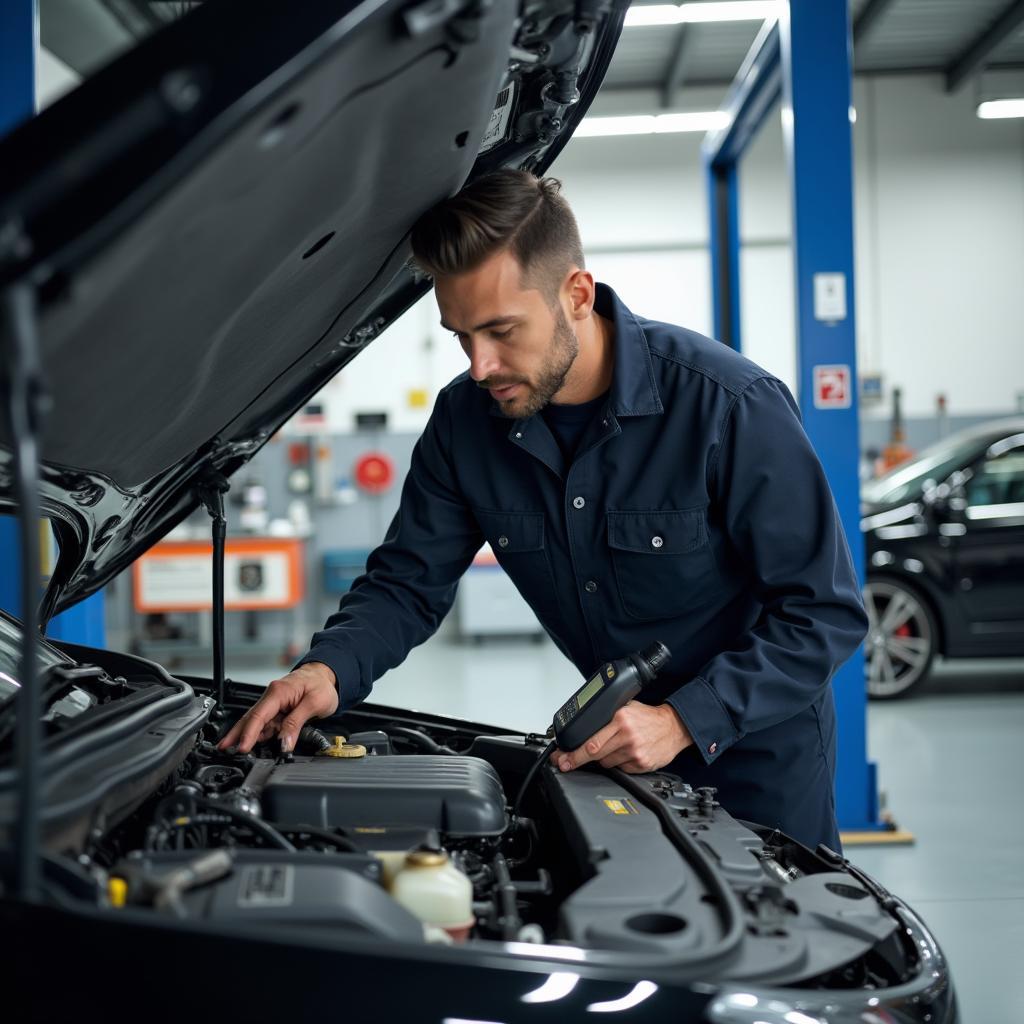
[
  {"x": 517, "y": 540},
  {"x": 662, "y": 561}
]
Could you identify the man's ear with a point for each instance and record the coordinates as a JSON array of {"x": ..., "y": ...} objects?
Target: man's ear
[{"x": 579, "y": 287}]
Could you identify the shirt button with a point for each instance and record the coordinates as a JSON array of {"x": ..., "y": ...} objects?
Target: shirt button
[
  {"x": 712, "y": 748},
  {"x": 656, "y": 542},
  {"x": 519, "y": 433},
  {"x": 590, "y": 586},
  {"x": 578, "y": 502},
  {"x": 503, "y": 541}
]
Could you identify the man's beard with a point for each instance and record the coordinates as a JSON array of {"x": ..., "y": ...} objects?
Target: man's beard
[{"x": 565, "y": 347}]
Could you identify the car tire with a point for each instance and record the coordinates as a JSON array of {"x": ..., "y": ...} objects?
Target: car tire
[{"x": 901, "y": 641}]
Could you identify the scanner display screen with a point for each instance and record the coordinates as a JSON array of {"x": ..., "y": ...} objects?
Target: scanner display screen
[{"x": 594, "y": 686}]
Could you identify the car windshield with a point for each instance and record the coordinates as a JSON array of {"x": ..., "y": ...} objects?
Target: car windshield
[
  {"x": 10, "y": 658},
  {"x": 906, "y": 482}
]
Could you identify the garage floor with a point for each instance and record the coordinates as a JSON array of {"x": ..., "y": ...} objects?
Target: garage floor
[{"x": 951, "y": 768}]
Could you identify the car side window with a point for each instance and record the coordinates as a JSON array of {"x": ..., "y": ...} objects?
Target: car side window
[{"x": 999, "y": 480}]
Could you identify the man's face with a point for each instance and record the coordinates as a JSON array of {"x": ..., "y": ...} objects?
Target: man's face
[{"x": 519, "y": 348}]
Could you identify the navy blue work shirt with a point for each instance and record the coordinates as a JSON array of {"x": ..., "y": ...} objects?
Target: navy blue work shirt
[{"x": 694, "y": 511}]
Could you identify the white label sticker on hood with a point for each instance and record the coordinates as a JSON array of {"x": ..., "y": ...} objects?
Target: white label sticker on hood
[{"x": 499, "y": 118}]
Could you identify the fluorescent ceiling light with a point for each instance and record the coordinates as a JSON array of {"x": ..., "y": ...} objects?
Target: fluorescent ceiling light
[
  {"x": 652, "y": 124},
  {"x": 731, "y": 10},
  {"x": 991, "y": 109}
]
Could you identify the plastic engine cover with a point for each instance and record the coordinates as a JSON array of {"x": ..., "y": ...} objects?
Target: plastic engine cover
[
  {"x": 458, "y": 795},
  {"x": 304, "y": 894}
]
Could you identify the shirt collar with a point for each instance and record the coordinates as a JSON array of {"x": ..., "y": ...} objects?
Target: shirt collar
[{"x": 633, "y": 391}]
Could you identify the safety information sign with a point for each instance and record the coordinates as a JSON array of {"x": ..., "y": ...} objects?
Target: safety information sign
[
  {"x": 830, "y": 297},
  {"x": 833, "y": 387}
]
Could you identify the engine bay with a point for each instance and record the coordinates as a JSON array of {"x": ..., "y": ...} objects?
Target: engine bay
[
  {"x": 401, "y": 830},
  {"x": 398, "y": 828}
]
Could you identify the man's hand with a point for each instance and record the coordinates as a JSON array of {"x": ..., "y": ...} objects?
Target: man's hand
[
  {"x": 640, "y": 738},
  {"x": 310, "y": 691}
]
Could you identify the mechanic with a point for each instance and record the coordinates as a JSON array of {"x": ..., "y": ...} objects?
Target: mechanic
[{"x": 637, "y": 482}]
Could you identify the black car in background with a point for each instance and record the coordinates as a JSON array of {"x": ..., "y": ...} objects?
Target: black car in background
[
  {"x": 944, "y": 544},
  {"x": 198, "y": 239}
]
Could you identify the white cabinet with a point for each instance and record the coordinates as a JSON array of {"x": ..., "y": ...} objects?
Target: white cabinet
[{"x": 488, "y": 604}]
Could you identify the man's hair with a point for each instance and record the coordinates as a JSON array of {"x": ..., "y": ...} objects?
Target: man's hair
[{"x": 507, "y": 209}]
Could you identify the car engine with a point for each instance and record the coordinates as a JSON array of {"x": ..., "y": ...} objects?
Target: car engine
[
  {"x": 402, "y": 831},
  {"x": 322, "y": 837}
]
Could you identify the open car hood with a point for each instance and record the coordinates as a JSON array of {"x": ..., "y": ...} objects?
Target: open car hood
[{"x": 215, "y": 223}]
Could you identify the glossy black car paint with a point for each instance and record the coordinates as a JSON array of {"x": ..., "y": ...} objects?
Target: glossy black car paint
[{"x": 967, "y": 567}]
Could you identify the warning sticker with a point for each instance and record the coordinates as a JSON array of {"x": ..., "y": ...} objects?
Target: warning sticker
[
  {"x": 618, "y": 806},
  {"x": 833, "y": 387},
  {"x": 498, "y": 124}
]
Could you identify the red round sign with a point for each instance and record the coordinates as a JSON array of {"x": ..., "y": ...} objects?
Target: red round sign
[{"x": 375, "y": 472}]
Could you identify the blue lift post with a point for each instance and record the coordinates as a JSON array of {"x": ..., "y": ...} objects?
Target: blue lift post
[
  {"x": 18, "y": 35},
  {"x": 19, "y": 46},
  {"x": 804, "y": 59}
]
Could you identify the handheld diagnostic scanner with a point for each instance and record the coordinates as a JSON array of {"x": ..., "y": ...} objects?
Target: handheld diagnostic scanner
[{"x": 614, "y": 684}]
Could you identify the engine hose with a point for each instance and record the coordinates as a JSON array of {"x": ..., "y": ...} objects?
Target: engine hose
[
  {"x": 313, "y": 737},
  {"x": 508, "y": 912},
  {"x": 251, "y": 822},
  {"x": 342, "y": 842}
]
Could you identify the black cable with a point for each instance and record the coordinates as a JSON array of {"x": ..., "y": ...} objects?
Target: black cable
[
  {"x": 26, "y": 402},
  {"x": 534, "y": 768},
  {"x": 419, "y": 738}
]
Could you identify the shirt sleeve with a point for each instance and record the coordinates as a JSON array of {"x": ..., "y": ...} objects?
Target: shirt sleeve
[
  {"x": 410, "y": 579},
  {"x": 771, "y": 496}
]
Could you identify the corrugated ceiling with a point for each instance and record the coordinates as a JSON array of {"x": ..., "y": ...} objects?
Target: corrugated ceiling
[{"x": 903, "y": 35}]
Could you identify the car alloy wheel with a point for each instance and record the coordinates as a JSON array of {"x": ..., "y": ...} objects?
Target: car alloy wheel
[{"x": 900, "y": 644}]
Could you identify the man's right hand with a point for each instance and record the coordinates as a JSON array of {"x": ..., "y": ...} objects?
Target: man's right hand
[{"x": 309, "y": 691}]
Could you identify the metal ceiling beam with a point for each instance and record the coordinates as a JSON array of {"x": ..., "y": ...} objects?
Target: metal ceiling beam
[
  {"x": 754, "y": 92},
  {"x": 972, "y": 60},
  {"x": 677, "y": 67},
  {"x": 869, "y": 18}
]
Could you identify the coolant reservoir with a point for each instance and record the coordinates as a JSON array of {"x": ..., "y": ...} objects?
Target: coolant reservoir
[{"x": 432, "y": 888}]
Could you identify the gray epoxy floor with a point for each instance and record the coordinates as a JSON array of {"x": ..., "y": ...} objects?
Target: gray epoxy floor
[{"x": 950, "y": 765}]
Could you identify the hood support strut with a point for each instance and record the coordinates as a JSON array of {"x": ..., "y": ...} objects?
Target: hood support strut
[
  {"x": 26, "y": 401},
  {"x": 211, "y": 492}
]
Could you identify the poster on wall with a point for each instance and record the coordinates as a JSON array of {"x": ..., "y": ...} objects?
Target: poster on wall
[{"x": 178, "y": 576}]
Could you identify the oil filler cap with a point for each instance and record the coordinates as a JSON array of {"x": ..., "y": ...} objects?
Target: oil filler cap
[{"x": 339, "y": 748}]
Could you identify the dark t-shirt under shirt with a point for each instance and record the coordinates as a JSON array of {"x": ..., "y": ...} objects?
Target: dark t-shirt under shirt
[{"x": 568, "y": 423}]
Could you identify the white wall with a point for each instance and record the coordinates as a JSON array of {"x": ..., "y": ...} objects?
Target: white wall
[
  {"x": 940, "y": 245},
  {"x": 939, "y": 208}
]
